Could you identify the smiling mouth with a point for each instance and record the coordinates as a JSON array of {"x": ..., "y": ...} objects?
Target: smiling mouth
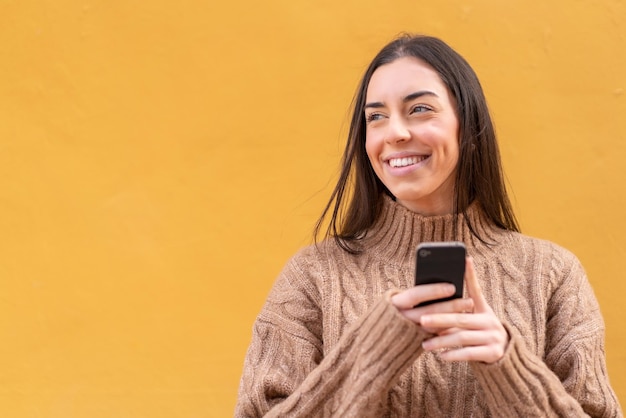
[{"x": 407, "y": 161}]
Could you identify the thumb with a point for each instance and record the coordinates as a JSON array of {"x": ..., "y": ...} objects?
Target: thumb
[{"x": 473, "y": 288}]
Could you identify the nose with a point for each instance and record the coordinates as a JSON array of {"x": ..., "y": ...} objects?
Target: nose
[{"x": 397, "y": 131}]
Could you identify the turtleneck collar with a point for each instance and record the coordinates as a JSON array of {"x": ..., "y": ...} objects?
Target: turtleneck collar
[{"x": 398, "y": 230}]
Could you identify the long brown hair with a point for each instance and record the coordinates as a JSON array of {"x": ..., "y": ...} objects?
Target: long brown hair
[{"x": 356, "y": 201}]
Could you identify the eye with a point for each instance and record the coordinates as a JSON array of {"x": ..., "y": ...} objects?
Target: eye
[
  {"x": 420, "y": 109},
  {"x": 373, "y": 117}
]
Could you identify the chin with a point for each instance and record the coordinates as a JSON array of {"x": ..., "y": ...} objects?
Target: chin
[{"x": 407, "y": 195}]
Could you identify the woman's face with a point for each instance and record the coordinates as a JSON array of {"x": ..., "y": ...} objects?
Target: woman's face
[{"x": 412, "y": 135}]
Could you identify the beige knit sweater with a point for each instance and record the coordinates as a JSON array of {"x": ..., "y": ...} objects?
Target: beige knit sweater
[{"x": 328, "y": 342}]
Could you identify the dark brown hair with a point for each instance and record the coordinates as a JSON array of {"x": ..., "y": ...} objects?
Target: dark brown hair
[{"x": 355, "y": 203}]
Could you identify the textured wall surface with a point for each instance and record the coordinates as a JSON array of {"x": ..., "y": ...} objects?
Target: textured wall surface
[{"x": 160, "y": 161}]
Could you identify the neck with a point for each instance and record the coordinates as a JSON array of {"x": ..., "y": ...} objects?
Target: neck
[{"x": 398, "y": 230}]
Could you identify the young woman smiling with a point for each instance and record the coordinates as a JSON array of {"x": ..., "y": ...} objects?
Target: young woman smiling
[{"x": 340, "y": 334}]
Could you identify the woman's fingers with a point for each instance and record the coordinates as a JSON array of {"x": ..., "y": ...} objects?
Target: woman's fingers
[
  {"x": 475, "y": 343},
  {"x": 468, "y": 336},
  {"x": 463, "y": 339},
  {"x": 486, "y": 345},
  {"x": 486, "y": 354},
  {"x": 454, "y": 305},
  {"x": 408, "y": 298},
  {"x": 475, "y": 336},
  {"x": 459, "y": 320},
  {"x": 466, "y": 329}
]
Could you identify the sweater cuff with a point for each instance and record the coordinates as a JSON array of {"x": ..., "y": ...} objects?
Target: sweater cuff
[
  {"x": 375, "y": 351},
  {"x": 519, "y": 382},
  {"x": 355, "y": 377},
  {"x": 502, "y": 379},
  {"x": 387, "y": 342}
]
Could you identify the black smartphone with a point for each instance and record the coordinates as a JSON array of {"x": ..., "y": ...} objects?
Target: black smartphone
[{"x": 441, "y": 262}]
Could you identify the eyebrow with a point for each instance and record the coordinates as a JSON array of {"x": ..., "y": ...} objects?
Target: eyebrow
[{"x": 408, "y": 98}]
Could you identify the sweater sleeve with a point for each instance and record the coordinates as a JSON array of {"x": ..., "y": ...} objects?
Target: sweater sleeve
[
  {"x": 571, "y": 380},
  {"x": 286, "y": 373}
]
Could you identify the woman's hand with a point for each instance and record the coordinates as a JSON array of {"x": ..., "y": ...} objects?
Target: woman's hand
[
  {"x": 476, "y": 336},
  {"x": 407, "y": 300}
]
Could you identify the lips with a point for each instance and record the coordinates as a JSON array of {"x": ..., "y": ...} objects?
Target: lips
[{"x": 406, "y": 161}]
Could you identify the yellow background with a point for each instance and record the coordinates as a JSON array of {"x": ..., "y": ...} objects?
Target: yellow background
[{"x": 160, "y": 161}]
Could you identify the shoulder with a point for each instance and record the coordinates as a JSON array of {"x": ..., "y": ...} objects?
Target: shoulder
[
  {"x": 549, "y": 276},
  {"x": 308, "y": 267},
  {"x": 540, "y": 247},
  {"x": 551, "y": 260},
  {"x": 315, "y": 256}
]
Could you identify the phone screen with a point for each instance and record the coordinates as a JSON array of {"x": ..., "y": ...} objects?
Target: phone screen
[{"x": 439, "y": 262}]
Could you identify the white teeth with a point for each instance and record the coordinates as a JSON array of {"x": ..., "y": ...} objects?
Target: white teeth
[{"x": 403, "y": 162}]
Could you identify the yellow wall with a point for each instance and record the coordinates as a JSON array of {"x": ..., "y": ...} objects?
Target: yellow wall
[{"x": 160, "y": 161}]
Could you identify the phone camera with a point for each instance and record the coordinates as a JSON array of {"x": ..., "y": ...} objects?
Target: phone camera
[{"x": 424, "y": 253}]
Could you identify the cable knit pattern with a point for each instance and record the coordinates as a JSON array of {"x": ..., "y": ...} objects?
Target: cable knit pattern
[{"x": 329, "y": 343}]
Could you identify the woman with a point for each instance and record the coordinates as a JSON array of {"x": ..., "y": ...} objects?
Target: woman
[{"x": 340, "y": 335}]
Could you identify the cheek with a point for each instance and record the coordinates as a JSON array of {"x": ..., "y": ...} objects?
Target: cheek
[
  {"x": 440, "y": 137},
  {"x": 372, "y": 148}
]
